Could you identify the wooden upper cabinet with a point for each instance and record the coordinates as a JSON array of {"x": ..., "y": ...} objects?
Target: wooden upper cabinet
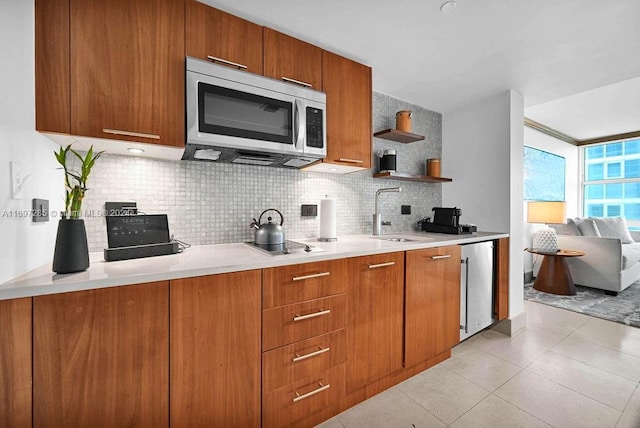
[
  {"x": 286, "y": 57},
  {"x": 53, "y": 96},
  {"x": 215, "y": 351},
  {"x": 127, "y": 70},
  {"x": 432, "y": 303},
  {"x": 375, "y": 317},
  {"x": 15, "y": 363},
  {"x": 213, "y": 33},
  {"x": 348, "y": 88},
  {"x": 101, "y": 357}
]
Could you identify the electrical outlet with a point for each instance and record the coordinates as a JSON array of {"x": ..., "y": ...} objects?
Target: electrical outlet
[
  {"x": 17, "y": 179},
  {"x": 40, "y": 210},
  {"x": 309, "y": 211},
  {"x": 405, "y": 209}
]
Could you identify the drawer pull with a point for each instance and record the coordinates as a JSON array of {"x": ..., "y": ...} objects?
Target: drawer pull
[
  {"x": 130, "y": 134},
  {"x": 299, "y": 397},
  {"x": 224, "y": 61},
  {"x": 297, "y": 82},
  {"x": 350, "y": 160},
  {"x": 382, "y": 265},
  {"x": 446, "y": 256},
  {"x": 313, "y": 315},
  {"x": 299, "y": 357},
  {"x": 315, "y": 275}
]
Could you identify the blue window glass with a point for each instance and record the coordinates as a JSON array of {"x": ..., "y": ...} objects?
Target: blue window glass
[
  {"x": 632, "y": 168},
  {"x": 614, "y": 170},
  {"x": 595, "y": 171},
  {"x": 594, "y": 191},
  {"x": 595, "y": 210},
  {"x": 614, "y": 191},
  {"x": 594, "y": 152},
  {"x": 632, "y": 190},
  {"x": 613, "y": 149},
  {"x": 613, "y": 210},
  {"x": 631, "y": 147},
  {"x": 632, "y": 211}
]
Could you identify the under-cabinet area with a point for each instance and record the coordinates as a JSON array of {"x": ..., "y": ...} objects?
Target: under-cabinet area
[{"x": 288, "y": 345}]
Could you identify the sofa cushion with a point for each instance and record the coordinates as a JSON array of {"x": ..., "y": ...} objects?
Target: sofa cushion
[
  {"x": 630, "y": 254},
  {"x": 586, "y": 226},
  {"x": 613, "y": 227},
  {"x": 566, "y": 229}
]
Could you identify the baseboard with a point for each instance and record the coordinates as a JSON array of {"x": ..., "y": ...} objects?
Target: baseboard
[
  {"x": 512, "y": 326},
  {"x": 528, "y": 277}
]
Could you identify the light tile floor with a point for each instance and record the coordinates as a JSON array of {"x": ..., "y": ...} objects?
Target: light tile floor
[{"x": 565, "y": 370}]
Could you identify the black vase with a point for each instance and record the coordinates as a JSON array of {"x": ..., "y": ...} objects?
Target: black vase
[{"x": 71, "y": 253}]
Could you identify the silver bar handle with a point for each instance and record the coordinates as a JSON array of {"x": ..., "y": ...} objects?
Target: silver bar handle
[
  {"x": 300, "y": 126},
  {"x": 381, "y": 265},
  {"x": 350, "y": 160},
  {"x": 466, "y": 295},
  {"x": 311, "y": 354},
  {"x": 297, "y": 82},
  {"x": 130, "y": 133},
  {"x": 314, "y": 275},
  {"x": 313, "y": 315},
  {"x": 445, "y": 256},
  {"x": 299, "y": 397},
  {"x": 227, "y": 62}
]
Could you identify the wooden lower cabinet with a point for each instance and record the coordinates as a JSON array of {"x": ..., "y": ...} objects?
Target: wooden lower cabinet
[
  {"x": 432, "y": 303},
  {"x": 375, "y": 318},
  {"x": 100, "y": 357},
  {"x": 15, "y": 363},
  {"x": 502, "y": 279},
  {"x": 215, "y": 350}
]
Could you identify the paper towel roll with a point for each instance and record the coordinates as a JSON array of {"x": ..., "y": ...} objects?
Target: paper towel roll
[{"x": 327, "y": 219}]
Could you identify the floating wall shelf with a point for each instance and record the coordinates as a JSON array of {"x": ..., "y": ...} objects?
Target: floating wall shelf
[
  {"x": 409, "y": 177},
  {"x": 397, "y": 135}
]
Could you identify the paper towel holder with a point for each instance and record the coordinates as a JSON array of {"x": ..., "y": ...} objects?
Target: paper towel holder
[
  {"x": 327, "y": 239},
  {"x": 323, "y": 211}
]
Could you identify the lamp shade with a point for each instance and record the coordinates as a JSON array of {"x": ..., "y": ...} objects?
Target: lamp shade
[{"x": 546, "y": 212}]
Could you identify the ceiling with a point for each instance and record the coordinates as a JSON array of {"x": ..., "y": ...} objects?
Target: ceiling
[{"x": 545, "y": 50}]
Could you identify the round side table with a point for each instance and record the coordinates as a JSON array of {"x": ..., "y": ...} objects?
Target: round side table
[{"x": 554, "y": 276}]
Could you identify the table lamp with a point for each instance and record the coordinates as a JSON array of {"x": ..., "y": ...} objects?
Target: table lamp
[{"x": 545, "y": 240}]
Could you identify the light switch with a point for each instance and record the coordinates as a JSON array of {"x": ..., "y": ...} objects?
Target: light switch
[{"x": 40, "y": 210}]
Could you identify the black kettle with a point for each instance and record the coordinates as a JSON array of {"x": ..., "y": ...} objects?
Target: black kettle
[{"x": 269, "y": 235}]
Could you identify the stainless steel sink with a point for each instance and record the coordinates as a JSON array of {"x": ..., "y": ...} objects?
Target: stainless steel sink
[{"x": 393, "y": 239}]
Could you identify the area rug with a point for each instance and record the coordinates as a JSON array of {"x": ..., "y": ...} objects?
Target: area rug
[{"x": 623, "y": 308}]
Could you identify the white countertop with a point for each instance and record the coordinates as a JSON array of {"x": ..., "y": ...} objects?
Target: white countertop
[{"x": 215, "y": 259}]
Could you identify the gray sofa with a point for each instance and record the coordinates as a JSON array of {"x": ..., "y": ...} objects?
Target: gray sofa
[{"x": 612, "y": 259}]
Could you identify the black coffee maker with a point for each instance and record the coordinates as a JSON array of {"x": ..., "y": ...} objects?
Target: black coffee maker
[{"x": 446, "y": 220}]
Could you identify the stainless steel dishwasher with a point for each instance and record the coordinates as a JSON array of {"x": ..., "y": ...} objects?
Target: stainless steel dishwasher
[{"x": 476, "y": 288}]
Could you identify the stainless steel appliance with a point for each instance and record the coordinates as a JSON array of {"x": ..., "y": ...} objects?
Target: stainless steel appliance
[
  {"x": 239, "y": 117},
  {"x": 289, "y": 247},
  {"x": 477, "y": 288},
  {"x": 446, "y": 220},
  {"x": 269, "y": 236}
]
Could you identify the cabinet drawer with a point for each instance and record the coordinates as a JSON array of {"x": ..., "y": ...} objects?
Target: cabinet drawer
[
  {"x": 306, "y": 402},
  {"x": 296, "y": 283},
  {"x": 300, "y": 360},
  {"x": 293, "y": 323}
]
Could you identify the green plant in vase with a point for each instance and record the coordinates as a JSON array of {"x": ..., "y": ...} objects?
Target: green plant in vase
[{"x": 71, "y": 252}]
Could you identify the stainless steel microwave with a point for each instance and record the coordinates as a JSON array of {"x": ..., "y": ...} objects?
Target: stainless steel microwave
[{"x": 234, "y": 116}]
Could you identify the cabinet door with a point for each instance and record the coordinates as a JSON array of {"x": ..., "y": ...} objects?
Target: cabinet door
[
  {"x": 15, "y": 363},
  {"x": 215, "y": 350},
  {"x": 502, "y": 279},
  {"x": 100, "y": 357},
  {"x": 212, "y": 32},
  {"x": 127, "y": 70},
  {"x": 374, "y": 326},
  {"x": 286, "y": 57},
  {"x": 432, "y": 318},
  {"x": 348, "y": 88}
]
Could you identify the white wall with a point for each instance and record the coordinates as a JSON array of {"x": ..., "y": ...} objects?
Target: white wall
[
  {"x": 538, "y": 140},
  {"x": 25, "y": 245},
  {"x": 482, "y": 150}
]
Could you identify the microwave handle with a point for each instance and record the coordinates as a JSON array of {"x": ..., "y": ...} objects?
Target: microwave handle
[{"x": 299, "y": 126}]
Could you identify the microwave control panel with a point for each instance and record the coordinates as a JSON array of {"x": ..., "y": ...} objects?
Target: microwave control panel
[{"x": 314, "y": 128}]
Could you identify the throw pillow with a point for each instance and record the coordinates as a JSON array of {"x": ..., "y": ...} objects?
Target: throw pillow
[
  {"x": 566, "y": 229},
  {"x": 613, "y": 227},
  {"x": 586, "y": 226}
]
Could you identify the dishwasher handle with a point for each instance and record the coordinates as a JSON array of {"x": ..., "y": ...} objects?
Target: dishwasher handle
[{"x": 465, "y": 262}]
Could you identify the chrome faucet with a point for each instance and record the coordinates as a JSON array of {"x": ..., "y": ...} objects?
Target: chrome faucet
[{"x": 377, "y": 218}]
